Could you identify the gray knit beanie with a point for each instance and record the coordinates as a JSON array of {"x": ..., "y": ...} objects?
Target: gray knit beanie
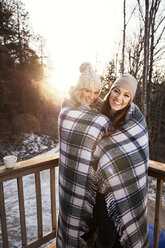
[
  {"x": 88, "y": 77},
  {"x": 127, "y": 82}
]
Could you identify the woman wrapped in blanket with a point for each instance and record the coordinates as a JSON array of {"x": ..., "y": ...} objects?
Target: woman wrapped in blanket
[
  {"x": 81, "y": 126},
  {"x": 117, "y": 194}
]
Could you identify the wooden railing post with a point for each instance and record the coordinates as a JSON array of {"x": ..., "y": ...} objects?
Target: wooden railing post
[
  {"x": 3, "y": 217},
  {"x": 53, "y": 197},
  {"x": 158, "y": 205},
  {"x": 39, "y": 203},
  {"x": 22, "y": 210}
]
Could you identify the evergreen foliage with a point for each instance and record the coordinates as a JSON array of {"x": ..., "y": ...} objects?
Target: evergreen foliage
[{"x": 23, "y": 108}]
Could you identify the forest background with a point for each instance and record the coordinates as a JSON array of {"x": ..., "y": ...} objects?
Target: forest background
[{"x": 30, "y": 105}]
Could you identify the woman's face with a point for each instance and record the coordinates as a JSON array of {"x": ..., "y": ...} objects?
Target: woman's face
[
  {"x": 88, "y": 95},
  {"x": 119, "y": 98}
]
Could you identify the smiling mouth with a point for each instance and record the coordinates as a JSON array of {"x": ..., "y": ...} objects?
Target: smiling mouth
[
  {"x": 88, "y": 100},
  {"x": 117, "y": 103}
]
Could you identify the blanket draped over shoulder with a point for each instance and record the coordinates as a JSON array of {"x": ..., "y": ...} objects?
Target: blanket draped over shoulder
[
  {"x": 79, "y": 130},
  {"x": 121, "y": 176}
]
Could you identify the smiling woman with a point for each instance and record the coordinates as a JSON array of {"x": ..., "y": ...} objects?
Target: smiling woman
[{"x": 89, "y": 96}]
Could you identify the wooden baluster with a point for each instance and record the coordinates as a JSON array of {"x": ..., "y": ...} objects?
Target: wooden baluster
[
  {"x": 3, "y": 218},
  {"x": 39, "y": 203},
  {"x": 158, "y": 205},
  {"x": 53, "y": 197},
  {"x": 22, "y": 210}
]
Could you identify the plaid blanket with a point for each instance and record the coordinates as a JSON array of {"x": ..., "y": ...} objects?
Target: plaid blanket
[
  {"x": 79, "y": 130},
  {"x": 120, "y": 174}
]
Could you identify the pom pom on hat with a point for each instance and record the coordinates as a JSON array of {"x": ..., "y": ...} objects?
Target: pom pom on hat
[
  {"x": 127, "y": 82},
  {"x": 84, "y": 66},
  {"x": 88, "y": 77}
]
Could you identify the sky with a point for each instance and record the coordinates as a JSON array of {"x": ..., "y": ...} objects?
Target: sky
[{"x": 76, "y": 31}]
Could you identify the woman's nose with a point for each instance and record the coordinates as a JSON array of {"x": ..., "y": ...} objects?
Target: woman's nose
[
  {"x": 92, "y": 96},
  {"x": 119, "y": 96}
]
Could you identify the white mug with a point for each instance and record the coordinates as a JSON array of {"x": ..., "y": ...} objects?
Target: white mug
[{"x": 9, "y": 161}]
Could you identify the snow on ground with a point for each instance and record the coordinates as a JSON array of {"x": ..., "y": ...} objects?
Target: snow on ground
[{"x": 25, "y": 146}]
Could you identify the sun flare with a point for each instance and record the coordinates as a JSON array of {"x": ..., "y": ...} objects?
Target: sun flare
[
  {"x": 63, "y": 77},
  {"x": 58, "y": 83},
  {"x": 61, "y": 81}
]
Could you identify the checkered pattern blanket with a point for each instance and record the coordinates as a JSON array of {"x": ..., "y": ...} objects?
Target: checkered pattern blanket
[
  {"x": 79, "y": 130},
  {"x": 121, "y": 163}
]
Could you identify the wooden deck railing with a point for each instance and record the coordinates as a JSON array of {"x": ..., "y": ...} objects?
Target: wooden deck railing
[
  {"x": 35, "y": 166},
  {"x": 21, "y": 169},
  {"x": 157, "y": 170}
]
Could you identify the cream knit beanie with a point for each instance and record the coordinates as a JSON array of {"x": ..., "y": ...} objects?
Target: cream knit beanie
[
  {"x": 127, "y": 82},
  {"x": 88, "y": 77}
]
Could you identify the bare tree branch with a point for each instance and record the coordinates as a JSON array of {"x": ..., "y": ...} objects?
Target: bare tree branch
[
  {"x": 159, "y": 38},
  {"x": 158, "y": 25},
  {"x": 131, "y": 15},
  {"x": 141, "y": 11},
  {"x": 162, "y": 52}
]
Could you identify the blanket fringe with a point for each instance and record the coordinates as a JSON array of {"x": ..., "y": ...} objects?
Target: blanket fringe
[{"x": 113, "y": 214}]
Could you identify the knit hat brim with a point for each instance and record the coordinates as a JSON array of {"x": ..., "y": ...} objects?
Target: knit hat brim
[{"x": 127, "y": 82}]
